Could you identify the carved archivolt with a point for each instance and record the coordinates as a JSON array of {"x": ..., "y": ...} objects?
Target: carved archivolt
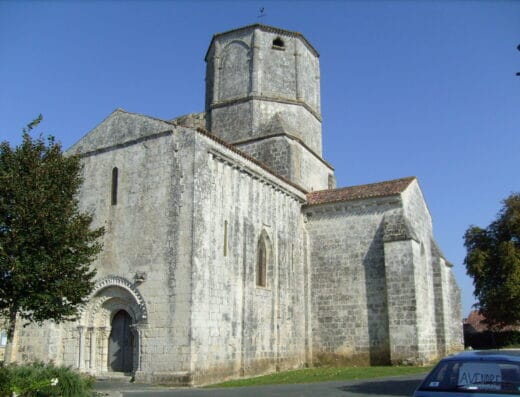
[{"x": 110, "y": 294}]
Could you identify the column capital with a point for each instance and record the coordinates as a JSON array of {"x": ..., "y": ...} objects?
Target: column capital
[{"x": 139, "y": 328}]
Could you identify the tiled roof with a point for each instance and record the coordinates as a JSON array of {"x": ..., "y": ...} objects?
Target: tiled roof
[
  {"x": 380, "y": 189},
  {"x": 476, "y": 322}
]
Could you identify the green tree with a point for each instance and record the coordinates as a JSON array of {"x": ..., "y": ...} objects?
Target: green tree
[
  {"x": 46, "y": 244},
  {"x": 493, "y": 260}
]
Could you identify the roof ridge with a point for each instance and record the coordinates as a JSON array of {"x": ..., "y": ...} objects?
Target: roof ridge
[
  {"x": 391, "y": 187},
  {"x": 406, "y": 178}
]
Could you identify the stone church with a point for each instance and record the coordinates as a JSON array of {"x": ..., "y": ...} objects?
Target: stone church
[{"x": 229, "y": 251}]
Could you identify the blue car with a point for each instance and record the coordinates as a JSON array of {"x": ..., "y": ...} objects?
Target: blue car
[{"x": 473, "y": 374}]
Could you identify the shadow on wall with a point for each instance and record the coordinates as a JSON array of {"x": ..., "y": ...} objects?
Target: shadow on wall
[
  {"x": 376, "y": 300},
  {"x": 397, "y": 387}
]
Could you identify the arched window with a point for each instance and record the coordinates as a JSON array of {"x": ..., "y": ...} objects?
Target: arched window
[
  {"x": 234, "y": 71},
  {"x": 262, "y": 260},
  {"x": 278, "y": 43},
  {"x": 114, "y": 185}
]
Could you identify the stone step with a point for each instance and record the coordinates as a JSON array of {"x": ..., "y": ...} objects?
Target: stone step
[{"x": 114, "y": 377}]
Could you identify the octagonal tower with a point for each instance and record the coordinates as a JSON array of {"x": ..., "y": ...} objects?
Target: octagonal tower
[{"x": 263, "y": 96}]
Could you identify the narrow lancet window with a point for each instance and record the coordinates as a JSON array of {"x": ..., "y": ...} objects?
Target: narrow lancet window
[
  {"x": 225, "y": 238},
  {"x": 262, "y": 261},
  {"x": 114, "y": 185}
]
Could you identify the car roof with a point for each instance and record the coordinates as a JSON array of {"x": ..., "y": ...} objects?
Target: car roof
[{"x": 485, "y": 355}]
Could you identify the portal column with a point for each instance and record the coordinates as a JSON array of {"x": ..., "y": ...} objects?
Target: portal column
[
  {"x": 138, "y": 331},
  {"x": 139, "y": 336},
  {"x": 103, "y": 333},
  {"x": 92, "y": 361},
  {"x": 81, "y": 358}
]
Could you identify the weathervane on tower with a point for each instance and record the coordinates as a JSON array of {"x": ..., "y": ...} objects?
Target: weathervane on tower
[
  {"x": 262, "y": 14},
  {"x": 518, "y": 48}
]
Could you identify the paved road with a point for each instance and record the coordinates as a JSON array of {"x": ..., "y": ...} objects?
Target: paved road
[{"x": 402, "y": 386}]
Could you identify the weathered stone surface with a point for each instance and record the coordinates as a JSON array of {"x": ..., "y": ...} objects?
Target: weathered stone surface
[
  {"x": 352, "y": 275},
  {"x": 349, "y": 300},
  {"x": 192, "y": 120}
]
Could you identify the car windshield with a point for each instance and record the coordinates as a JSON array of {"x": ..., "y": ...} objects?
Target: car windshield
[{"x": 498, "y": 377}]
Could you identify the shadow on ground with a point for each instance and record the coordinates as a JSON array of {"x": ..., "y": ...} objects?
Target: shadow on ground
[{"x": 398, "y": 387}]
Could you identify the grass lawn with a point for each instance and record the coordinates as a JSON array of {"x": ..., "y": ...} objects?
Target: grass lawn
[{"x": 322, "y": 374}]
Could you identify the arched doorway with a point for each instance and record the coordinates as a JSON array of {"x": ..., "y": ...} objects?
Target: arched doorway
[
  {"x": 121, "y": 343},
  {"x": 110, "y": 333}
]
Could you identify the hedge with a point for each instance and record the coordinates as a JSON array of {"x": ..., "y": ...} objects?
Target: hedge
[{"x": 43, "y": 380}]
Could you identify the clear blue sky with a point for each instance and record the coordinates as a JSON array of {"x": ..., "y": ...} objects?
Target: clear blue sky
[{"x": 424, "y": 88}]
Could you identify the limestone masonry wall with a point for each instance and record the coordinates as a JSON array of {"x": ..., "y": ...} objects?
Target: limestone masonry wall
[
  {"x": 381, "y": 292},
  {"x": 291, "y": 160},
  {"x": 239, "y": 327},
  {"x": 349, "y": 308},
  {"x": 148, "y": 232}
]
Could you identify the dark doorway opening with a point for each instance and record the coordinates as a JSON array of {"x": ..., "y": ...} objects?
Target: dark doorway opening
[{"x": 121, "y": 343}]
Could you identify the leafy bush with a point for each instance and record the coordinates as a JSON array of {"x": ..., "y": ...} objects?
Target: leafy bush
[{"x": 43, "y": 380}]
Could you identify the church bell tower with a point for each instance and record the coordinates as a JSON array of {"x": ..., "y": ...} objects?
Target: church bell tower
[{"x": 263, "y": 96}]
